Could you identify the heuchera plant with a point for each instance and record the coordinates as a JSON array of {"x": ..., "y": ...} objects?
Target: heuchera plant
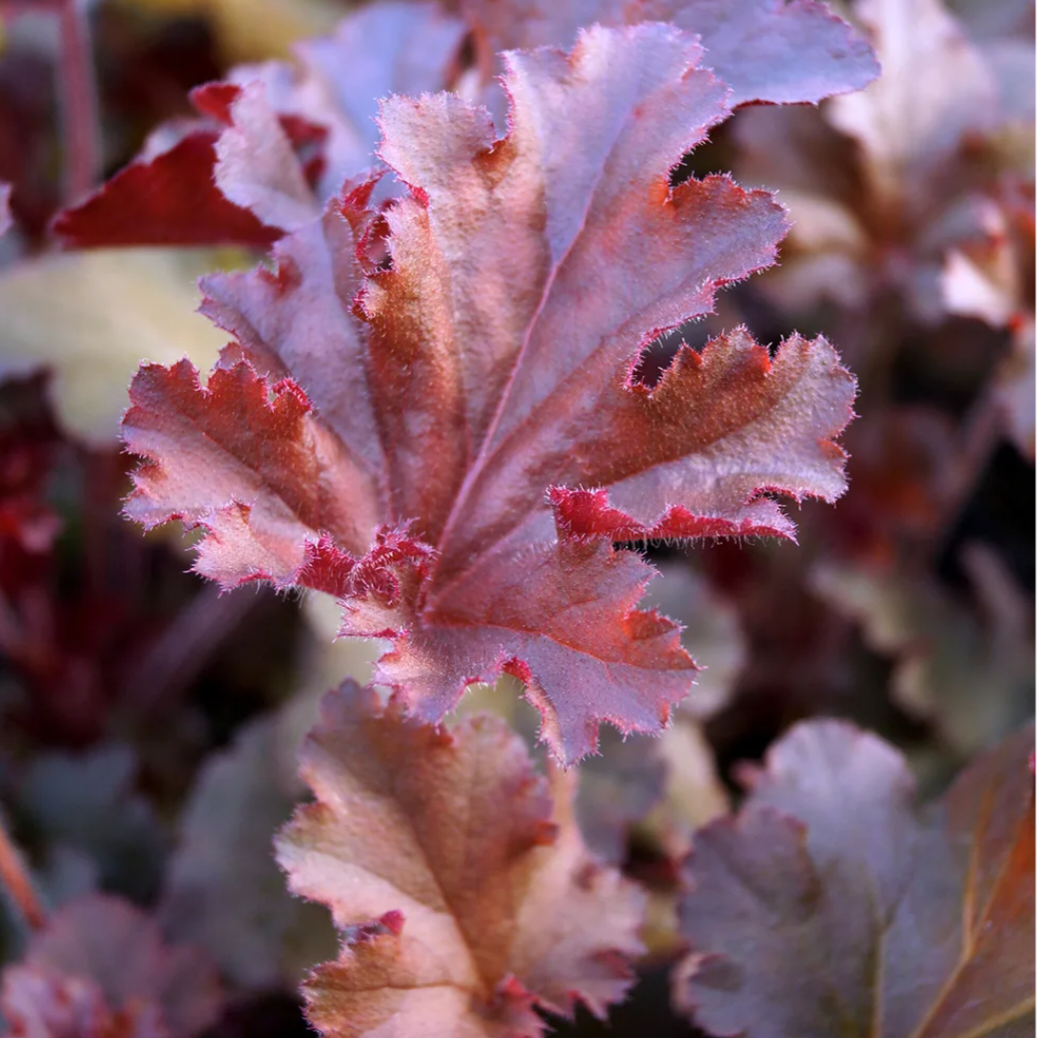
[
  {"x": 431, "y": 413},
  {"x": 432, "y": 408}
]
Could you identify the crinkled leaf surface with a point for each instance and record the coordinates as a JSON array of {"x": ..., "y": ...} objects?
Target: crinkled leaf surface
[
  {"x": 464, "y": 897},
  {"x": 403, "y": 461},
  {"x": 100, "y": 968},
  {"x": 830, "y": 906}
]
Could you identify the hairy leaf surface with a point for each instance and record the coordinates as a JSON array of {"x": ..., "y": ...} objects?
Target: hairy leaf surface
[
  {"x": 409, "y": 462},
  {"x": 465, "y": 897}
]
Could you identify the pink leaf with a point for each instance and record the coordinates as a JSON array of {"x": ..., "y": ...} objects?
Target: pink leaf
[
  {"x": 471, "y": 351},
  {"x": 256, "y": 167},
  {"x": 99, "y": 968},
  {"x": 465, "y": 897}
]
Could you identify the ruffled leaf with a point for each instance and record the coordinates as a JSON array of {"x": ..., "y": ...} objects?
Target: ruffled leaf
[
  {"x": 473, "y": 351},
  {"x": 465, "y": 898}
]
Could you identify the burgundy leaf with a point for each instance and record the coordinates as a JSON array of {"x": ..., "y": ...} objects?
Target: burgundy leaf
[
  {"x": 170, "y": 199},
  {"x": 243, "y": 173}
]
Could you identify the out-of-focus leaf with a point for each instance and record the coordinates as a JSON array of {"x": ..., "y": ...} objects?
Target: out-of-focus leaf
[
  {"x": 998, "y": 19},
  {"x": 617, "y": 787},
  {"x": 464, "y": 897},
  {"x": 252, "y": 30},
  {"x": 765, "y": 50},
  {"x": 92, "y": 317},
  {"x": 992, "y": 278},
  {"x": 390, "y": 47},
  {"x": 934, "y": 89},
  {"x": 830, "y": 906},
  {"x": 932, "y": 134},
  {"x": 907, "y": 462},
  {"x": 692, "y": 791},
  {"x": 29, "y": 444},
  {"x": 968, "y": 671},
  {"x": 711, "y": 625},
  {"x": 167, "y": 197},
  {"x": 100, "y": 968},
  {"x": 87, "y": 806},
  {"x": 278, "y": 138},
  {"x": 224, "y": 890},
  {"x": 670, "y": 782},
  {"x": 5, "y": 208},
  {"x": 762, "y": 49}
]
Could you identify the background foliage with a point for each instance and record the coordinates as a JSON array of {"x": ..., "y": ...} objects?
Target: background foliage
[{"x": 150, "y": 726}]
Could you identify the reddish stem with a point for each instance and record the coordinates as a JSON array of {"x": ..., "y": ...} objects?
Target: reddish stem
[
  {"x": 14, "y": 876},
  {"x": 77, "y": 90}
]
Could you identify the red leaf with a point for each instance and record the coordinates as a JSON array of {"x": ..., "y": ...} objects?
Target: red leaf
[
  {"x": 492, "y": 362},
  {"x": 270, "y": 134},
  {"x": 170, "y": 199},
  {"x": 277, "y": 473},
  {"x": 829, "y": 905},
  {"x": 463, "y": 895}
]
